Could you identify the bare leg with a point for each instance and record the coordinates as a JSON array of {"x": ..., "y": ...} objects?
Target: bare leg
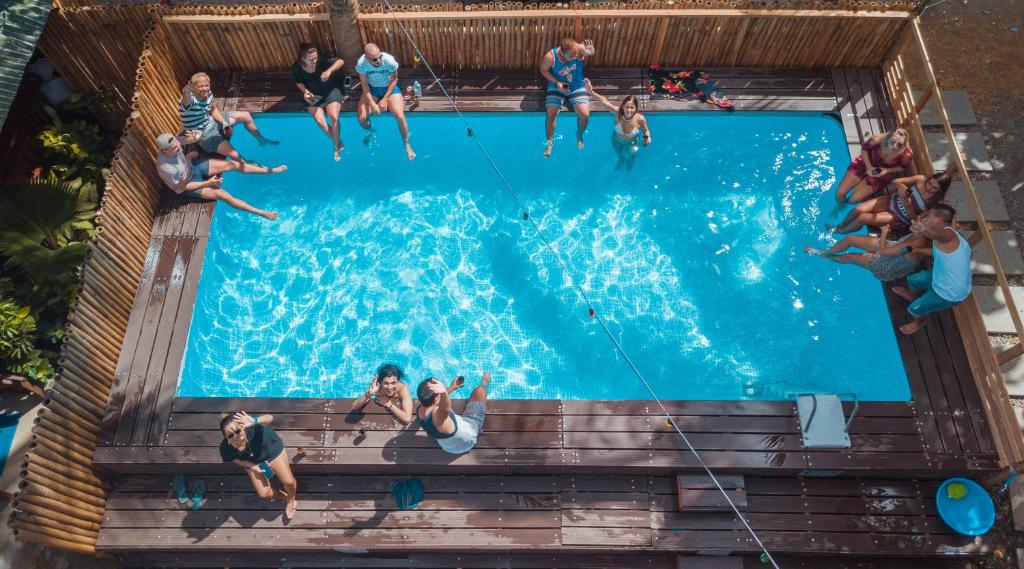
[
  {"x": 480, "y": 393},
  {"x": 225, "y": 149},
  {"x": 250, "y": 125},
  {"x": 224, "y": 196},
  {"x": 218, "y": 166},
  {"x": 549, "y": 128},
  {"x": 862, "y": 219},
  {"x": 397, "y": 106},
  {"x": 914, "y": 325},
  {"x": 907, "y": 294},
  {"x": 863, "y": 191},
  {"x": 582, "y": 119},
  {"x": 318, "y": 116},
  {"x": 283, "y": 470},
  {"x": 859, "y": 259},
  {"x": 261, "y": 485},
  {"x": 849, "y": 181},
  {"x": 333, "y": 111}
]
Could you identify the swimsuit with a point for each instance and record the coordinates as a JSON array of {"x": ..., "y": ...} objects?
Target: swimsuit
[
  {"x": 874, "y": 149},
  {"x": 626, "y": 136},
  {"x": 901, "y": 216}
]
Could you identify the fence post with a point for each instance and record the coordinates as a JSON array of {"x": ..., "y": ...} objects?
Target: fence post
[
  {"x": 348, "y": 40},
  {"x": 659, "y": 41}
]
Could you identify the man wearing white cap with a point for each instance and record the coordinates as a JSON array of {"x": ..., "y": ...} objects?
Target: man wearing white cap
[{"x": 203, "y": 179}]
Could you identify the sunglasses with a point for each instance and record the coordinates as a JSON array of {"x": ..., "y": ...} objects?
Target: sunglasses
[
  {"x": 376, "y": 60},
  {"x": 235, "y": 433}
]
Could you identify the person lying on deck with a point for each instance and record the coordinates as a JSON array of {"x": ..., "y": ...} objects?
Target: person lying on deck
[
  {"x": 199, "y": 113},
  {"x": 630, "y": 126},
  {"x": 894, "y": 261},
  {"x": 898, "y": 208},
  {"x": 948, "y": 283},
  {"x": 378, "y": 73},
  {"x": 203, "y": 179},
  {"x": 454, "y": 433},
  {"x": 250, "y": 443},
  {"x": 563, "y": 68},
  {"x": 323, "y": 89},
  {"x": 881, "y": 157},
  {"x": 388, "y": 390}
]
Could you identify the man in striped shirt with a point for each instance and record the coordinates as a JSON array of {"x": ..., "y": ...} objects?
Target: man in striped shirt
[{"x": 199, "y": 113}]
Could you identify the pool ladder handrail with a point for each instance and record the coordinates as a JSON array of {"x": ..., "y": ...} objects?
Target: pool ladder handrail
[{"x": 814, "y": 407}]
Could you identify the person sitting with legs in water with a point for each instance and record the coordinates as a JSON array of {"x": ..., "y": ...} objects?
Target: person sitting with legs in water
[
  {"x": 250, "y": 443},
  {"x": 203, "y": 179},
  {"x": 948, "y": 283},
  {"x": 388, "y": 390},
  {"x": 630, "y": 126},
  {"x": 199, "y": 113},
  {"x": 454, "y": 433},
  {"x": 891, "y": 262},
  {"x": 895, "y": 211},
  {"x": 323, "y": 88},
  {"x": 881, "y": 157},
  {"x": 378, "y": 72},
  {"x": 563, "y": 68}
]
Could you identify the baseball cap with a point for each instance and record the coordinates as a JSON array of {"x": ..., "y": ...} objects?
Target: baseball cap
[{"x": 164, "y": 141}]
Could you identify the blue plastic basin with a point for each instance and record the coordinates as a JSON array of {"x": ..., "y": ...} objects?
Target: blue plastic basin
[{"x": 974, "y": 514}]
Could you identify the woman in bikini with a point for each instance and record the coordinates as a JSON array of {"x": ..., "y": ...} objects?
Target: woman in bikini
[
  {"x": 881, "y": 157},
  {"x": 630, "y": 126},
  {"x": 389, "y": 391},
  {"x": 895, "y": 211}
]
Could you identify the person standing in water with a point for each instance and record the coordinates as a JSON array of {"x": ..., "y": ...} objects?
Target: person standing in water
[
  {"x": 630, "y": 126},
  {"x": 563, "y": 68},
  {"x": 454, "y": 433}
]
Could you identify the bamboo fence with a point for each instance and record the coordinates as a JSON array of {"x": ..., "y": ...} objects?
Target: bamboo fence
[
  {"x": 910, "y": 57},
  {"x": 61, "y": 499},
  {"x": 377, "y": 6},
  {"x": 516, "y": 39}
]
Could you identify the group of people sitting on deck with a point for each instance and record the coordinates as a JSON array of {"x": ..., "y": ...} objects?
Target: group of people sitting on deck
[
  {"x": 197, "y": 172},
  {"x": 251, "y": 443},
  {"x": 914, "y": 227}
]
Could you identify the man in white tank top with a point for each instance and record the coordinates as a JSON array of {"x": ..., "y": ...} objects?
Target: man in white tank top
[{"x": 948, "y": 282}]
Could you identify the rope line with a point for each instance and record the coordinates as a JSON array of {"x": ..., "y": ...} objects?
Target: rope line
[{"x": 579, "y": 289}]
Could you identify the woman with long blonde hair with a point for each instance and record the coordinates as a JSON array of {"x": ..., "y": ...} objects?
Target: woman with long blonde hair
[{"x": 882, "y": 157}]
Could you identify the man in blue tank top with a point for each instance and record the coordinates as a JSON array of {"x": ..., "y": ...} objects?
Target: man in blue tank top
[
  {"x": 948, "y": 283},
  {"x": 563, "y": 68}
]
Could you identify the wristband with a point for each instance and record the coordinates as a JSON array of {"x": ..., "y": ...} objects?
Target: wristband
[{"x": 255, "y": 419}]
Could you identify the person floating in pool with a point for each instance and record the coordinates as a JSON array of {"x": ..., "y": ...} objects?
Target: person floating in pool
[
  {"x": 895, "y": 211},
  {"x": 891, "y": 262},
  {"x": 563, "y": 68},
  {"x": 199, "y": 113},
  {"x": 378, "y": 72},
  {"x": 388, "y": 390},
  {"x": 630, "y": 126},
  {"x": 881, "y": 157},
  {"x": 454, "y": 433},
  {"x": 948, "y": 283},
  {"x": 203, "y": 179},
  {"x": 250, "y": 443},
  {"x": 323, "y": 88}
]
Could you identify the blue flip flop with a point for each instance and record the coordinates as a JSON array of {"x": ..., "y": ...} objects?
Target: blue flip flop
[
  {"x": 198, "y": 494},
  {"x": 408, "y": 493},
  {"x": 178, "y": 484}
]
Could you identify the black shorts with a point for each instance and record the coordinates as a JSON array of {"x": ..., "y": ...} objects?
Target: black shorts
[{"x": 334, "y": 96}]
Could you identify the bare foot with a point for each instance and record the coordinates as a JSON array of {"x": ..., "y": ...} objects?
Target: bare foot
[
  {"x": 579, "y": 141},
  {"x": 812, "y": 251},
  {"x": 486, "y": 380},
  {"x": 913, "y": 326},
  {"x": 830, "y": 228},
  {"x": 265, "y": 141},
  {"x": 409, "y": 152},
  {"x": 903, "y": 293},
  {"x": 277, "y": 169},
  {"x": 841, "y": 198},
  {"x": 337, "y": 154},
  {"x": 547, "y": 149},
  {"x": 271, "y": 215},
  {"x": 290, "y": 508}
]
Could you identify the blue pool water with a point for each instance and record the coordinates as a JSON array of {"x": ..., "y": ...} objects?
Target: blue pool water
[{"x": 693, "y": 256}]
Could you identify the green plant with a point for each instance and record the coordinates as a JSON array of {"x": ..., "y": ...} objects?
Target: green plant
[
  {"x": 78, "y": 147},
  {"x": 92, "y": 103},
  {"x": 43, "y": 226},
  {"x": 16, "y": 331}
]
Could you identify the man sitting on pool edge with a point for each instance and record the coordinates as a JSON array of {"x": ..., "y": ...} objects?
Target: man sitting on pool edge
[
  {"x": 203, "y": 179},
  {"x": 455, "y": 434}
]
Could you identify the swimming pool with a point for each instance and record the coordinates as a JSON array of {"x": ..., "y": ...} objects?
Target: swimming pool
[{"x": 692, "y": 253}]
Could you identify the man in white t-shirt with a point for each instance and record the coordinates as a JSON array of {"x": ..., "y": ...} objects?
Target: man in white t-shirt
[
  {"x": 203, "y": 179},
  {"x": 378, "y": 72}
]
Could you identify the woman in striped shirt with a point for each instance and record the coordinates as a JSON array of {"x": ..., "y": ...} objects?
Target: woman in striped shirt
[{"x": 199, "y": 113}]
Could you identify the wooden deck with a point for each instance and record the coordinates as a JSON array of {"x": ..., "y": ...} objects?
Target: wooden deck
[{"x": 583, "y": 479}]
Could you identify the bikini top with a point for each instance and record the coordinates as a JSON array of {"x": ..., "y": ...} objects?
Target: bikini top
[{"x": 618, "y": 129}]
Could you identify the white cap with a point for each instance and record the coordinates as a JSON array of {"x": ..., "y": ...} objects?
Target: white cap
[{"x": 165, "y": 141}]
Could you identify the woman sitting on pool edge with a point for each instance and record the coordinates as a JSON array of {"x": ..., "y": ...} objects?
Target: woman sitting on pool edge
[
  {"x": 881, "y": 157},
  {"x": 894, "y": 261},
  {"x": 629, "y": 124},
  {"x": 388, "y": 390},
  {"x": 250, "y": 443},
  {"x": 895, "y": 211}
]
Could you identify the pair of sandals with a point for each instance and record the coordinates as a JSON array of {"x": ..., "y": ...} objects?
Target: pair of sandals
[{"x": 197, "y": 497}]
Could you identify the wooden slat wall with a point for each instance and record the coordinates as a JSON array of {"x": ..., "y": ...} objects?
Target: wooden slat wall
[
  {"x": 61, "y": 500},
  {"x": 377, "y": 6},
  {"x": 506, "y": 39},
  {"x": 239, "y": 43}
]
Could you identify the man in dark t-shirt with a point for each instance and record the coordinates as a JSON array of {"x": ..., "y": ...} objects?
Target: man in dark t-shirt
[
  {"x": 323, "y": 88},
  {"x": 250, "y": 443}
]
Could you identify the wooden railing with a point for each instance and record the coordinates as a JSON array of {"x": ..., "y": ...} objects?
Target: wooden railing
[
  {"x": 62, "y": 499},
  {"x": 516, "y": 39},
  {"x": 985, "y": 364}
]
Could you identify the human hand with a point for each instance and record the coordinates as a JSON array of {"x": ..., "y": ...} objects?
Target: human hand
[
  {"x": 374, "y": 108},
  {"x": 562, "y": 87},
  {"x": 437, "y": 387},
  {"x": 588, "y": 85},
  {"x": 383, "y": 104},
  {"x": 647, "y": 139},
  {"x": 244, "y": 418},
  {"x": 228, "y": 129},
  {"x": 875, "y": 172},
  {"x": 187, "y": 88},
  {"x": 456, "y": 383},
  {"x": 308, "y": 95},
  {"x": 374, "y": 388},
  {"x": 588, "y": 47},
  {"x": 325, "y": 75},
  {"x": 192, "y": 135},
  {"x": 215, "y": 181}
]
